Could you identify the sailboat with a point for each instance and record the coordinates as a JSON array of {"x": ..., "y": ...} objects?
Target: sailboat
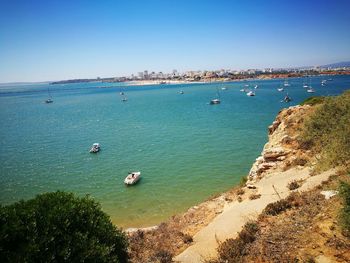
[
  {"x": 49, "y": 100},
  {"x": 286, "y": 98},
  {"x": 310, "y": 89},
  {"x": 305, "y": 85},
  {"x": 217, "y": 100},
  {"x": 251, "y": 93}
]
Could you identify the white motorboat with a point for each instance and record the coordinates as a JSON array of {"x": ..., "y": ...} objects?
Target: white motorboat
[
  {"x": 251, "y": 93},
  {"x": 256, "y": 86},
  {"x": 280, "y": 89},
  {"x": 132, "y": 178},
  {"x": 215, "y": 101},
  {"x": 181, "y": 92},
  {"x": 310, "y": 90},
  {"x": 95, "y": 148}
]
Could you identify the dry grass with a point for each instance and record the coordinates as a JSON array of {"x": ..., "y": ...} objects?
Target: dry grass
[{"x": 308, "y": 228}]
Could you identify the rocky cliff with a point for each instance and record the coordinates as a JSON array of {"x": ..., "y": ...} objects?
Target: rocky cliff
[{"x": 282, "y": 150}]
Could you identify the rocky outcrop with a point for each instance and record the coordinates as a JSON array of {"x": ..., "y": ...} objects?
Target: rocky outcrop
[{"x": 282, "y": 149}]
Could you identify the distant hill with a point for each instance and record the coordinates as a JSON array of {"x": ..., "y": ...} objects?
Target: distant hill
[{"x": 337, "y": 65}]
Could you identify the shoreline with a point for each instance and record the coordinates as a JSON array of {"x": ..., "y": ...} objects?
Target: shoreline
[{"x": 219, "y": 218}]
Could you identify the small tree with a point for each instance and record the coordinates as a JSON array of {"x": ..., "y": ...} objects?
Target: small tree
[{"x": 59, "y": 227}]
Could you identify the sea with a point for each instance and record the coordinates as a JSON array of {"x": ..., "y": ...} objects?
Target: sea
[{"x": 186, "y": 149}]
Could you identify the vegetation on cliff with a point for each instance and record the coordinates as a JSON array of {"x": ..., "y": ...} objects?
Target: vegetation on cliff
[
  {"x": 345, "y": 212},
  {"x": 327, "y": 132},
  {"x": 59, "y": 227}
]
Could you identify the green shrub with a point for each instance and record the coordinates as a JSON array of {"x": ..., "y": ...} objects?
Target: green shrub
[
  {"x": 327, "y": 132},
  {"x": 345, "y": 212},
  {"x": 243, "y": 180},
  {"x": 59, "y": 227}
]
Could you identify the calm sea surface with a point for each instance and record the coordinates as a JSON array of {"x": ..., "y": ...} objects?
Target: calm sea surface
[{"x": 186, "y": 149}]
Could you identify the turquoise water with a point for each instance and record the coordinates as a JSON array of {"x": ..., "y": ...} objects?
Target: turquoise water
[{"x": 186, "y": 149}]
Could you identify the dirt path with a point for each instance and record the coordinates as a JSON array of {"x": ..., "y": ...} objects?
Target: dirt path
[{"x": 236, "y": 214}]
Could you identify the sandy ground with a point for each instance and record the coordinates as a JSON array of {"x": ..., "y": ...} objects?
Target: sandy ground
[{"x": 236, "y": 214}]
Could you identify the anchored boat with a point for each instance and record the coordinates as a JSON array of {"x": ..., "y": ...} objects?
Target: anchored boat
[
  {"x": 132, "y": 178},
  {"x": 95, "y": 148}
]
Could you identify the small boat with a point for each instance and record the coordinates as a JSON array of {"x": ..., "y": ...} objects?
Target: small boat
[
  {"x": 286, "y": 84},
  {"x": 323, "y": 82},
  {"x": 310, "y": 90},
  {"x": 132, "y": 178},
  {"x": 305, "y": 86},
  {"x": 243, "y": 90},
  {"x": 124, "y": 99},
  {"x": 121, "y": 93},
  {"x": 329, "y": 79},
  {"x": 95, "y": 148},
  {"x": 251, "y": 93},
  {"x": 215, "y": 101},
  {"x": 280, "y": 89},
  {"x": 181, "y": 92},
  {"x": 256, "y": 86},
  {"x": 287, "y": 99},
  {"x": 49, "y": 100},
  {"x": 224, "y": 88}
]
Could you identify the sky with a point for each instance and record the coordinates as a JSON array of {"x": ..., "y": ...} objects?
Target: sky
[{"x": 43, "y": 40}]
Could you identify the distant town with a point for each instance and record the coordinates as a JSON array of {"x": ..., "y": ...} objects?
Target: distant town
[{"x": 152, "y": 77}]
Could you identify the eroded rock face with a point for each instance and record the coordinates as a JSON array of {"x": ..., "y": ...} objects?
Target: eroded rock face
[{"x": 282, "y": 142}]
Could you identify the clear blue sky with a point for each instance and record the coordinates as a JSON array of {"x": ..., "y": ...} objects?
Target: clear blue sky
[{"x": 64, "y": 39}]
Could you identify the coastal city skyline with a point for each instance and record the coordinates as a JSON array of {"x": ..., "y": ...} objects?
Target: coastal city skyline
[{"x": 57, "y": 40}]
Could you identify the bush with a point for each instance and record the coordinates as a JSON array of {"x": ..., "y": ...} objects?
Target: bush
[
  {"x": 254, "y": 196},
  {"x": 327, "y": 132},
  {"x": 277, "y": 207},
  {"x": 243, "y": 180},
  {"x": 187, "y": 239},
  {"x": 59, "y": 227},
  {"x": 248, "y": 232},
  {"x": 240, "y": 191},
  {"x": 162, "y": 256},
  {"x": 345, "y": 212},
  {"x": 233, "y": 250},
  {"x": 293, "y": 185}
]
